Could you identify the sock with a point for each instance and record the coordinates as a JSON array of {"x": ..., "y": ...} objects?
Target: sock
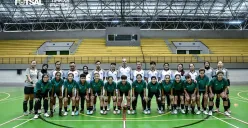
[
  {"x": 105, "y": 108},
  {"x": 186, "y": 107},
  {"x": 60, "y": 110},
  {"x": 101, "y": 108},
  {"x": 182, "y": 106},
  {"x": 77, "y": 108},
  {"x": 31, "y": 105},
  {"x": 204, "y": 108},
  {"x": 45, "y": 105},
  {"x": 91, "y": 108},
  {"x": 119, "y": 107},
  {"x": 128, "y": 107},
  {"x": 65, "y": 109},
  {"x": 174, "y": 106},
  {"x": 210, "y": 108},
  {"x": 73, "y": 108},
  {"x": 25, "y": 106},
  {"x": 225, "y": 108},
  {"x": 199, "y": 108},
  {"x": 163, "y": 107},
  {"x": 192, "y": 109},
  {"x": 217, "y": 103},
  {"x": 114, "y": 108}
]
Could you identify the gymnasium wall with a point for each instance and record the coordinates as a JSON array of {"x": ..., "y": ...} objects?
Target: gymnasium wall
[{"x": 144, "y": 34}]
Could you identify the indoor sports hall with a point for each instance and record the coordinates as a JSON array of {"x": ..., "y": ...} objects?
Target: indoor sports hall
[{"x": 123, "y": 63}]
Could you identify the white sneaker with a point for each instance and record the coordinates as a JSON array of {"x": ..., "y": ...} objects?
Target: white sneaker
[
  {"x": 210, "y": 113},
  {"x": 36, "y": 116},
  {"x": 91, "y": 112},
  {"x": 198, "y": 112},
  {"x": 227, "y": 114},
  {"x": 182, "y": 111},
  {"x": 118, "y": 111},
  {"x": 108, "y": 109},
  {"x": 133, "y": 112},
  {"x": 145, "y": 112},
  {"x": 101, "y": 112},
  {"x": 114, "y": 112},
  {"x": 73, "y": 113},
  {"x": 25, "y": 113},
  {"x": 148, "y": 112},
  {"x": 159, "y": 112},
  {"x": 175, "y": 111},
  {"x": 105, "y": 112},
  {"x": 128, "y": 112},
  {"x": 229, "y": 111},
  {"x": 217, "y": 110},
  {"x": 65, "y": 113},
  {"x": 46, "y": 115},
  {"x": 205, "y": 112},
  {"x": 39, "y": 111},
  {"x": 178, "y": 108}
]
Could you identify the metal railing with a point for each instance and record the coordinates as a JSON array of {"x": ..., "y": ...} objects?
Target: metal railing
[{"x": 65, "y": 59}]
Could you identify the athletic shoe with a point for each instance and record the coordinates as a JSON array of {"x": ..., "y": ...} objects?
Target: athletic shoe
[
  {"x": 76, "y": 113},
  {"x": 65, "y": 113},
  {"x": 101, "y": 112},
  {"x": 145, "y": 112},
  {"x": 210, "y": 113},
  {"x": 162, "y": 112},
  {"x": 133, "y": 112},
  {"x": 227, "y": 114},
  {"x": 148, "y": 112},
  {"x": 114, "y": 112},
  {"x": 198, "y": 112},
  {"x": 36, "y": 116},
  {"x": 25, "y": 113},
  {"x": 118, "y": 111},
  {"x": 159, "y": 112},
  {"x": 31, "y": 112},
  {"x": 46, "y": 115},
  {"x": 88, "y": 112},
  {"x": 128, "y": 112},
  {"x": 229, "y": 111},
  {"x": 182, "y": 111},
  {"x": 217, "y": 110},
  {"x": 175, "y": 111},
  {"x": 205, "y": 112},
  {"x": 105, "y": 112},
  {"x": 91, "y": 112},
  {"x": 39, "y": 111},
  {"x": 73, "y": 113},
  {"x": 178, "y": 108}
]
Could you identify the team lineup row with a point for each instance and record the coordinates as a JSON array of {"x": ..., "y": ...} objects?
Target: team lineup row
[{"x": 174, "y": 89}]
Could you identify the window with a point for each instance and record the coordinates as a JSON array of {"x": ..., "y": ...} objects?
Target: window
[
  {"x": 117, "y": 37},
  {"x": 194, "y": 52},
  {"x": 51, "y": 52},
  {"x": 181, "y": 51},
  {"x": 64, "y": 52}
]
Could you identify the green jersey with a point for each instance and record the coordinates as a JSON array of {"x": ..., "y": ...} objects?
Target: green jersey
[
  {"x": 57, "y": 85},
  {"x": 96, "y": 86},
  {"x": 123, "y": 87},
  {"x": 42, "y": 87},
  {"x": 154, "y": 88},
  {"x": 178, "y": 86},
  {"x": 139, "y": 87},
  {"x": 110, "y": 87},
  {"x": 202, "y": 82},
  {"x": 166, "y": 87},
  {"x": 190, "y": 87},
  {"x": 70, "y": 86},
  {"x": 82, "y": 87},
  {"x": 218, "y": 85}
]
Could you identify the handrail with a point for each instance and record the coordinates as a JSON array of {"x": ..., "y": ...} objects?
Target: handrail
[{"x": 65, "y": 59}]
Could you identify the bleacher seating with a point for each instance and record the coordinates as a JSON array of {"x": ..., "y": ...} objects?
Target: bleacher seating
[{"x": 20, "y": 47}]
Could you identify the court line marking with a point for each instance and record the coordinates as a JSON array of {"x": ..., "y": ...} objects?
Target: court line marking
[
  {"x": 239, "y": 100},
  {"x": 11, "y": 120},
  {"x": 236, "y": 119},
  {"x": 5, "y": 97},
  {"x": 225, "y": 122},
  {"x": 6, "y": 101},
  {"x": 23, "y": 123},
  {"x": 241, "y": 96},
  {"x": 132, "y": 120}
]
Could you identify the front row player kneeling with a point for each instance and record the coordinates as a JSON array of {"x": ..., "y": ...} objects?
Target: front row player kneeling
[
  {"x": 218, "y": 86},
  {"x": 41, "y": 92}
]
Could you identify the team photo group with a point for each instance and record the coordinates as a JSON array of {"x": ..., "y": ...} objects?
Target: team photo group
[{"x": 194, "y": 92}]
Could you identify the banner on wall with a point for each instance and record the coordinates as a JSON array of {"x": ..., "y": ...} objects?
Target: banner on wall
[{"x": 28, "y": 2}]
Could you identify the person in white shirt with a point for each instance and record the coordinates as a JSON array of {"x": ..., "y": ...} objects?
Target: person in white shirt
[
  {"x": 57, "y": 69},
  {"x": 125, "y": 70},
  {"x": 85, "y": 71},
  {"x": 74, "y": 71},
  {"x": 209, "y": 71},
  {"x": 180, "y": 71},
  {"x": 114, "y": 73},
  {"x": 98, "y": 70},
  {"x": 192, "y": 71},
  {"x": 152, "y": 72},
  {"x": 138, "y": 70},
  {"x": 166, "y": 71}
]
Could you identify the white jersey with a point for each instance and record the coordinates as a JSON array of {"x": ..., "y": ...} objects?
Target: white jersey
[
  {"x": 114, "y": 74},
  {"x": 225, "y": 71},
  {"x": 53, "y": 72},
  {"x": 125, "y": 71},
  {"x": 209, "y": 73},
  {"x": 101, "y": 73},
  {"x": 164, "y": 72},
  {"x": 179, "y": 73},
  {"x": 151, "y": 73},
  {"x": 141, "y": 72},
  {"x": 88, "y": 77},
  {"x": 76, "y": 74},
  {"x": 193, "y": 74}
]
